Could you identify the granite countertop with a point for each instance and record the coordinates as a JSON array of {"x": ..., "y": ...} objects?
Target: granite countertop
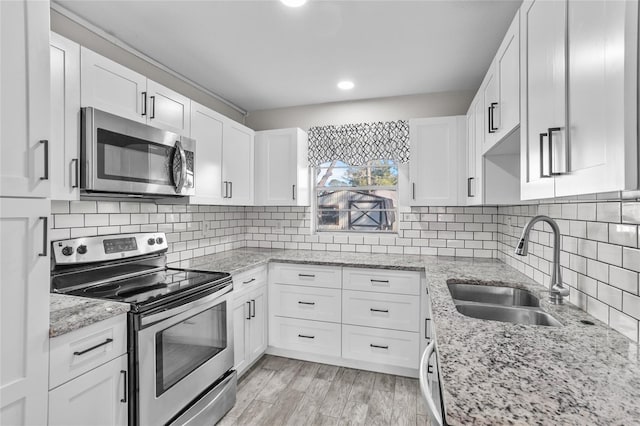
[
  {"x": 69, "y": 313},
  {"x": 494, "y": 372}
]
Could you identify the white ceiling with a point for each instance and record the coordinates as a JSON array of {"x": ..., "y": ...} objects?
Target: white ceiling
[{"x": 262, "y": 55}]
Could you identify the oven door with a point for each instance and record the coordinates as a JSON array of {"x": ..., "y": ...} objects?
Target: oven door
[
  {"x": 181, "y": 353},
  {"x": 123, "y": 156}
]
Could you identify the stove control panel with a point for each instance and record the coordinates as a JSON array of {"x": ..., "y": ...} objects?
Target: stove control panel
[{"x": 107, "y": 247}]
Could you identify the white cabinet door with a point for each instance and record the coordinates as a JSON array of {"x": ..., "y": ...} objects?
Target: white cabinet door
[
  {"x": 96, "y": 398},
  {"x": 241, "y": 315},
  {"x": 507, "y": 112},
  {"x": 599, "y": 57},
  {"x": 281, "y": 163},
  {"x": 238, "y": 164},
  {"x": 24, "y": 97},
  {"x": 111, "y": 87},
  {"x": 490, "y": 98},
  {"x": 24, "y": 313},
  {"x": 435, "y": 156},
  {"x": 474, "y": 176},
  {"x": 168, "y": 110},
  {"x": 65, "y": 118},
  {"x": 258, "y": 323},
  {"x": 543, "y": 91},
  {"x": 207, "y": 130}
]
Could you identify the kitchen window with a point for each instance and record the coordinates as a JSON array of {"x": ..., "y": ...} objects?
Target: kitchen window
[{"x": 356, "y": 198}]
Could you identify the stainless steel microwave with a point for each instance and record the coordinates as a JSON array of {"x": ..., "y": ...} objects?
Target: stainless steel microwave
[{"x": 121, "y": 156}]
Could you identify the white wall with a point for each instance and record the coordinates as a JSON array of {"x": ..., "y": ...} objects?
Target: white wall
[
  {"x": 83, "y": 36},
  {"x": 361, "y": 111}
]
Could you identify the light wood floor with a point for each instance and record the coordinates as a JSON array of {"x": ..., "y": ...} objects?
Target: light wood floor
[{"x": 283, "y": 391}]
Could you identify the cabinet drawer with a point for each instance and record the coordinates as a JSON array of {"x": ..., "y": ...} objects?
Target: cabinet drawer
[
  {"x": 320, "y": 338},
  {"x": 84, "y": 349},
  {"x": 393, "y": 311},
  {"x": 314, "y": 303},
  {"x": 306, "y": 275},
  {"x": 250, "y": 278},
  {"x": 381, "y": 280},
  {"x": 399, "y": 348}
]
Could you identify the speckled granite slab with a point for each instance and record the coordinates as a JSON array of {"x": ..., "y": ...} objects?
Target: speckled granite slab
[
  {"x": 70, "y": 313},
  {"x": 498, "y": 373}
]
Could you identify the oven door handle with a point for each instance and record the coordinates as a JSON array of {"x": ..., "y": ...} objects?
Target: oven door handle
[{"x": 160, "y": 316}]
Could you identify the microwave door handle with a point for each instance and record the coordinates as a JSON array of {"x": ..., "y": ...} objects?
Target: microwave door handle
[{"x": 179, "y": 176}]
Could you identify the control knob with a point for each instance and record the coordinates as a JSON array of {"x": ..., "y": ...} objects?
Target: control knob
[
  {"x": 67, "y": 250},
  {"x": 151, "y": 241},
  {"x": 82, "y": 249},
  {"x": 159, "y": 240}
]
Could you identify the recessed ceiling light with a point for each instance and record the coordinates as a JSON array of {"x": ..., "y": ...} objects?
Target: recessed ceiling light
[
  {"x": 346, "y": 85},
  {"x": 293, "y": 3}
]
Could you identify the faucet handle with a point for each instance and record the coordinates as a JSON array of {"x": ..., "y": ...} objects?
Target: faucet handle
[{"x": 562, "y": 291}]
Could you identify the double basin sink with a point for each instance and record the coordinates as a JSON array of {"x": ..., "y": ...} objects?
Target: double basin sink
[{"x": 499, "y": 303}]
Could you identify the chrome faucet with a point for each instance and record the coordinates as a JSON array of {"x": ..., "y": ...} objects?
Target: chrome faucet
[{"x": 556, "y": 291}]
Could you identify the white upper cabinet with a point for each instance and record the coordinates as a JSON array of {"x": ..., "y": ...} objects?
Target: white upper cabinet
[
  {"x": 543, "y": 121},
  {"x": 237, "y": 164},
  {"x": 111, "y": 87},
  {"x": 65, "y": 118},
  {"x": 24, "y": 308},
  {"x": 168, "y": 110},
  {"x": 490, "y": 97},
  {"x": 207, "y": 130},
  {"x": 507, "y": 112},
  {"x": 24, "y": 97},
  {"x": 437, "y": 161},
  {"x": 114, "y": 88},
  {"x": 282, "y": 168},
  {"x": 579, "y": 97},
  {"x": 602, "y": 98}
]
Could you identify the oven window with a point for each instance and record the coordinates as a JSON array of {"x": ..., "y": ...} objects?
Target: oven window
[
  {"x": 126, "y": 158},
  {"x": 185, "y": 346}
]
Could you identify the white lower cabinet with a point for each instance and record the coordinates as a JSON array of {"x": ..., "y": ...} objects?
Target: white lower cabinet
[
  {"x": 249, "y": 320},
  {"x": 88, "y": 375},
  {"x": 316, "y": 337},
  {"x": 356, "y": 317},
  {"x": 98, "y": 397},
  {"x": 391, "y": 347}
]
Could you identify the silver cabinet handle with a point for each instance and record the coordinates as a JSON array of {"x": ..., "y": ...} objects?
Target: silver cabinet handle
[
  {"x": 153, "y": 107},
  {"x": 306, "y": 275},
  {"x": 252, "y": 308},
  {"x": 144, "y": 103},
  {"x": 106, "y": 342},
  {"x": 304, "y": 336},
  {"x": 385, "y": 311},
  {"x": 250, "y": 281},
  {"x": 249, "y": 312},
  {"x": 469, "y": 194},
  {"x": 426, "y": 327},
  {"x": 413, "y": 190},
  {"x": 306, "y": 303},
  {"x": 45, "y": 235},
  {"x": 230, "y": 189},
  {"x": 75, "y": 165},
  {"x": 45, "y": 142},
  {"x": 550, "y": 131},
  {"x": 378, "y": 346},
  {"x": 126, "y": 386},
  {"x": 542, "y": 173},
  {"x": 424, "y": 386},
  {"x": 293, "y": 191},
  {"x": 379, "y": 281},
  {"x": 226, "y": 189}
]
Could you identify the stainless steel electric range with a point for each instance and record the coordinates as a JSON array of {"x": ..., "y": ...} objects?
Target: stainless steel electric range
[{"x": 180, "y": 331}]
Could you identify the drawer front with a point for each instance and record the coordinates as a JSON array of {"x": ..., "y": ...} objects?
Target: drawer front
[
  {"x": 314, "y": 303},
  {"x": 392, "y": 311},
  {"x": 381, "y": 280},
  {"x": 321, "y": 338},
  {"x": 306, "y": 275},
  {"x": 399, "y": 348},
  {"x": 251, "y": 278},
  {"x": 84, "y": 349}
]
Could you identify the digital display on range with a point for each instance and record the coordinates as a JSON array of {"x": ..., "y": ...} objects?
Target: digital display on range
[{"x": 118, "y": 245}]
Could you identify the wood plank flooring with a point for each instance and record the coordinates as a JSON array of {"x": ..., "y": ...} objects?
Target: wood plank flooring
[{"x": 283, "y": 391}]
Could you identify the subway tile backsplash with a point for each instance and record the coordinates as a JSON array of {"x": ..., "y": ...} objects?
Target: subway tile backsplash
[{"x": 600, "y": 241}]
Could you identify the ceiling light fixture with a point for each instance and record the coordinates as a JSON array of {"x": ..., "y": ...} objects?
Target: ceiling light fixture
[
  {"x": 293, "y": 3},
  {"x": 346, "y": 85}
]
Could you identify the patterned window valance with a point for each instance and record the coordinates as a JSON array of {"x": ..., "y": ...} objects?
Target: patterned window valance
[{"x": 357, "y": 144}]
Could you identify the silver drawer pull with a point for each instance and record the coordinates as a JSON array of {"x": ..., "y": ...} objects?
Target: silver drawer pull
[
  {"x": 304, "y": 336},
  {"x": 306, "y": 303},
  {"x": 379, "y": 281},
  {"x": 106, "y": 342},
  {"x": 378, "y": 346},
  {"x": 306, "y": 275},
  {"x": 250, "y": 281},
  {"x": 386, "y": 311}
]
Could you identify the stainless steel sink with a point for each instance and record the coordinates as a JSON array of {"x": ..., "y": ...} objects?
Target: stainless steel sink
[
  {"x": 508, "y": 314},
  {"x": 504, "y": 296}
]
